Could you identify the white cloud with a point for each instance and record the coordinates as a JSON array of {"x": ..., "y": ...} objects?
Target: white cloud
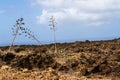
[
  {"x": 97, "y": 23},
  {"x": 89, "y": 11},
  {"x": 46, "y": 15}
]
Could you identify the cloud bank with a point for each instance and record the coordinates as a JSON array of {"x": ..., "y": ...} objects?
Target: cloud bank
[{"x": 92, "y": 12}]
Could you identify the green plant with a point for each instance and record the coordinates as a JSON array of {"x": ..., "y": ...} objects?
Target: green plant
[
  {"x": 49, "y": 53},
  {"x": 62, "y": 52},
  {"x": 52, "y": 24}
]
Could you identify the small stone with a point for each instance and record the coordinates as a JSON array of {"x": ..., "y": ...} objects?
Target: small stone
[
  {"x": 25, "y": 70},
  {"x": 40, "y": 76},
  {"x": 50, "y": 69},
  {"x": 5, "y": 67}
]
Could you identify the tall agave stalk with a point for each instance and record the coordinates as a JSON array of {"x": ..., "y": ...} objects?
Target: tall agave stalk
[
  {"x": 28, "y": 33},
  {"x": 52, "y": 24},
  {"x": 16, "y": 29}
]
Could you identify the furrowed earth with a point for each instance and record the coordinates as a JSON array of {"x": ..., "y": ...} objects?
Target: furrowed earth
[{"x": 89, "y": 60}]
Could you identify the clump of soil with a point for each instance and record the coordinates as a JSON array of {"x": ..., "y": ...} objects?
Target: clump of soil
[{"x": 29, "y": 61}]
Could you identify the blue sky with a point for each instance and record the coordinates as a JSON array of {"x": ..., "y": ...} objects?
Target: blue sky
[{"x": 77, "y": 20}]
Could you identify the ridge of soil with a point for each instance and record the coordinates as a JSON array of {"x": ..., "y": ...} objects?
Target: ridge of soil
[{"x": 97, "y": 60}]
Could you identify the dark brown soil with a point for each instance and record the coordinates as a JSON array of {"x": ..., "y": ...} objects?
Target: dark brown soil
[{"x": 78, "y": 59}]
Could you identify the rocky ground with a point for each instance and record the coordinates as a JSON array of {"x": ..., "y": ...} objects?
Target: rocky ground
[{"x": 96, "y": 60}]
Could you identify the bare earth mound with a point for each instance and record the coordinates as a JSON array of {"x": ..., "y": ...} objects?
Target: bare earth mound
[{"x": 98, "y": 60}]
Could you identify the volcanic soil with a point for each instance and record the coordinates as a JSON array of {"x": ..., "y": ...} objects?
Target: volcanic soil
[{"x": 88, "y": 60}]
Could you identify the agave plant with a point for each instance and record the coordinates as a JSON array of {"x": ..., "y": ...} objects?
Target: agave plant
[
  {"x": 53, "y": 28},
  {"x": 15, "y": 30},
  {"x": 18, "y": 29},
  {"x": 28, "y": 33}
]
